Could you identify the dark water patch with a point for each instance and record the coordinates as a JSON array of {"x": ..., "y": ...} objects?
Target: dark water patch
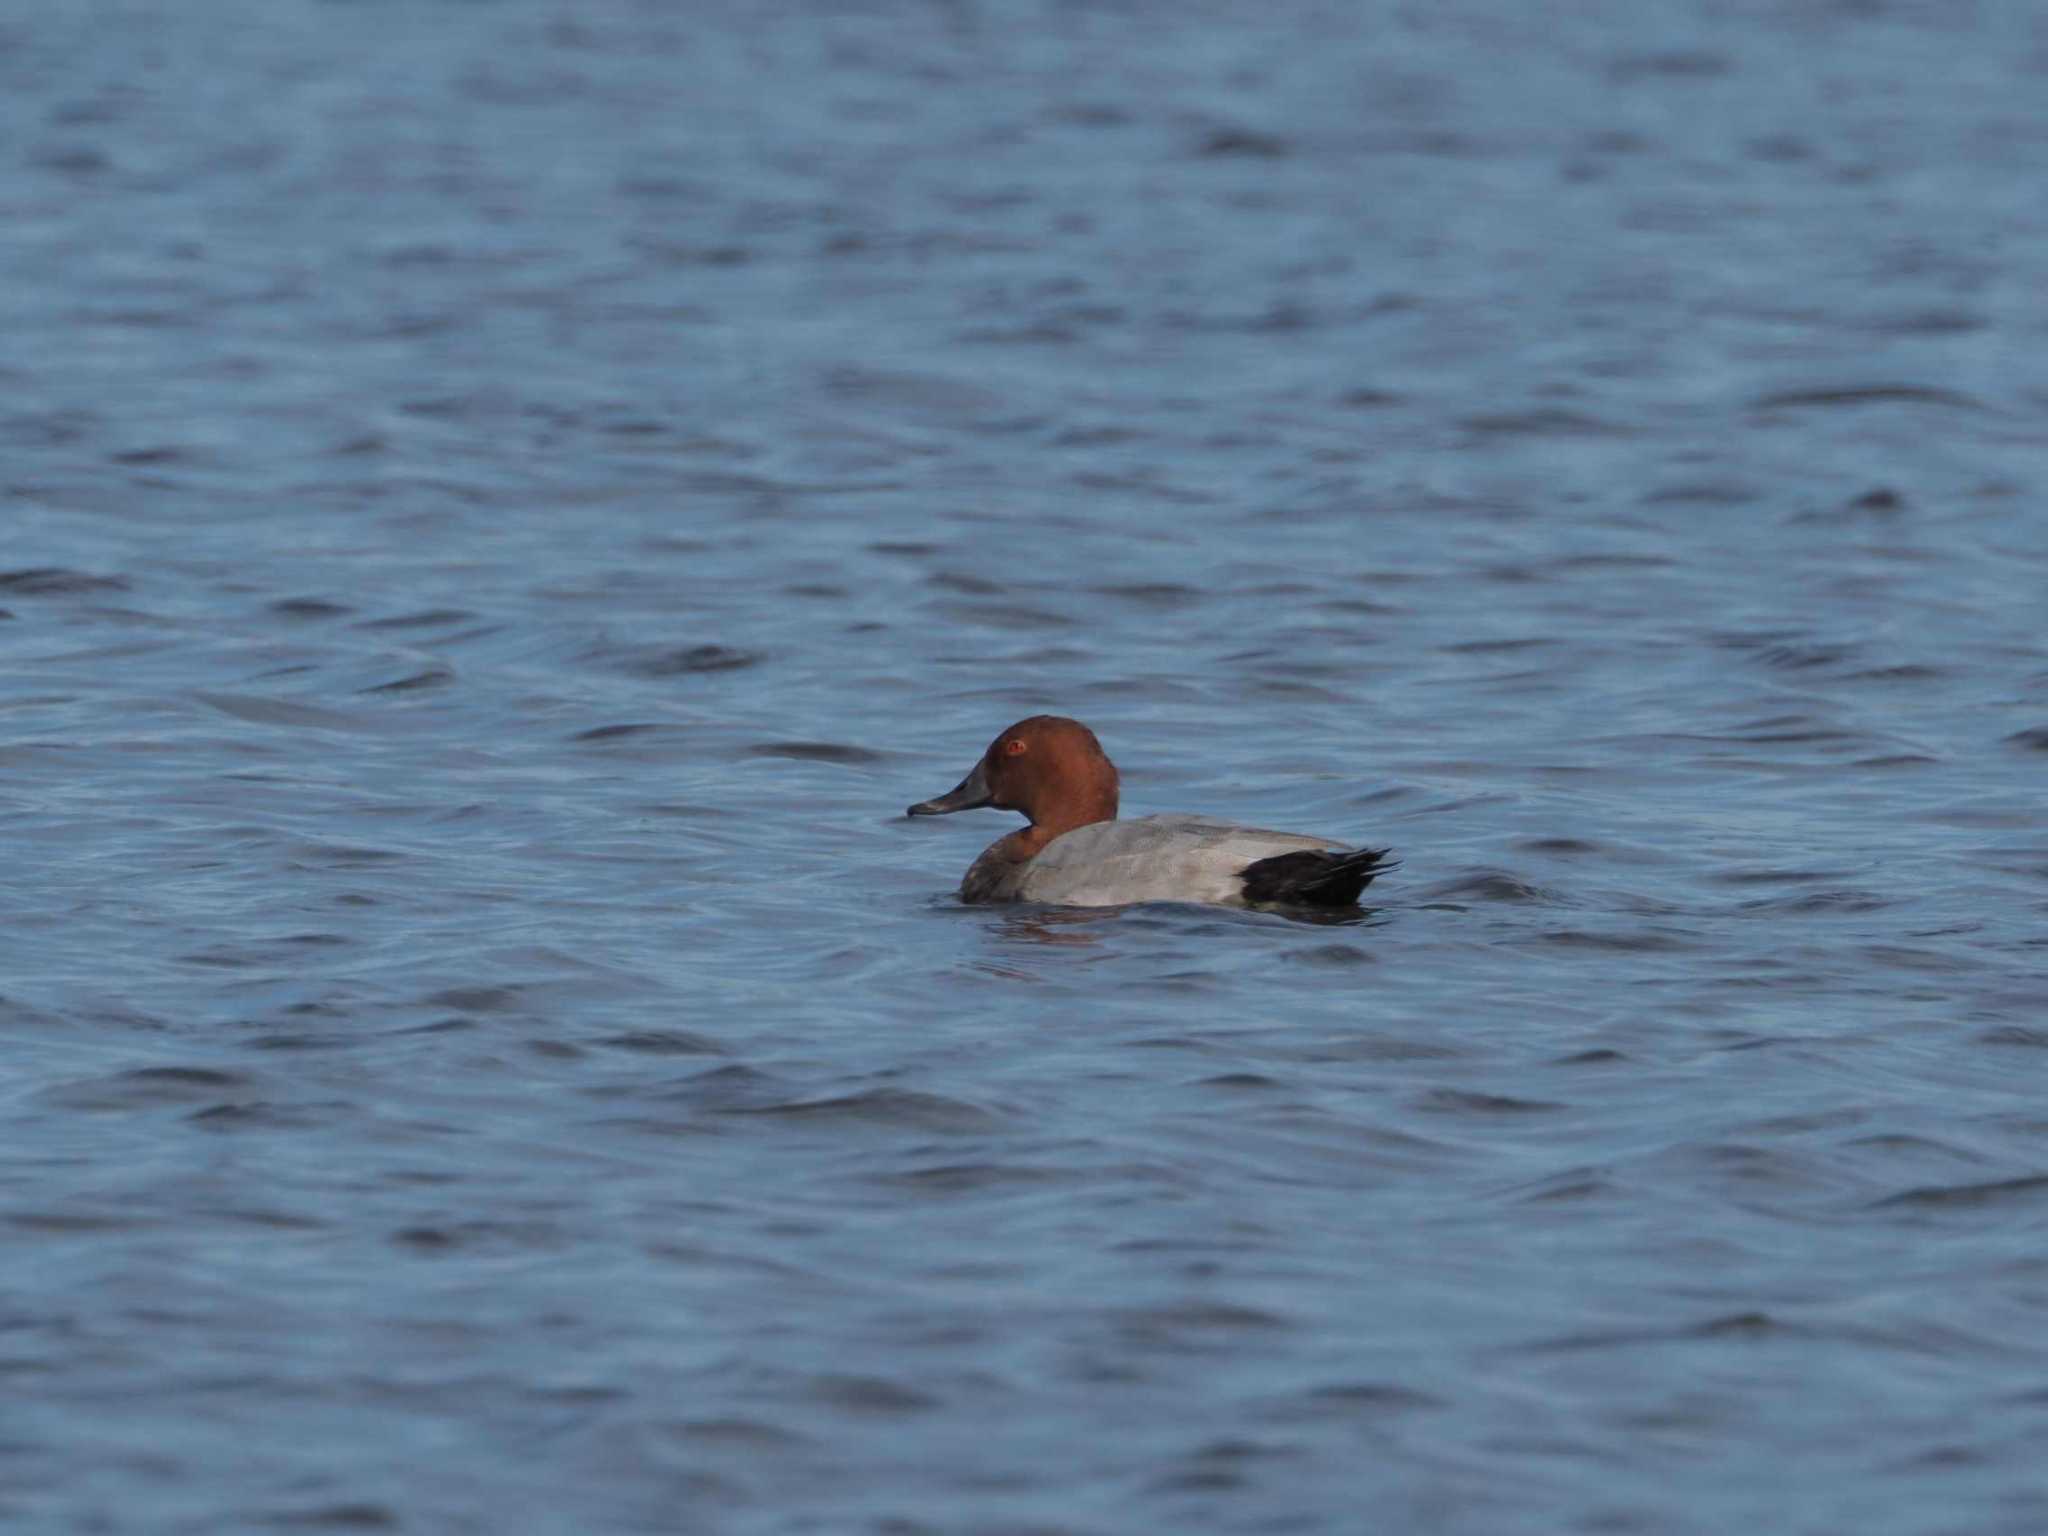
[
  {"x": 731, "y": 1087},
  {"x": 49, "y": 429},
  {"x": 56, "y": 581},
  {"x": 1552, "y": 422},
  {"x": 2033, "y": 739},
  {"x": 682, "y": 253},
  {"x": 2022, "y": 1193},
  {"x": 1906, "y": 957},
  {"x": 453, "y": 1025},
  {"x": 267, "y": 1219},
  {"x": 1497, "y": 647},
  {"x": 682, "y": 660},
  {"x": 1194, "y": 1322},
  {"x": 309, "y": 608},
  {"x": 1775, "y": 876},
  {"x": 1238, "y": 142},
  {"x": 1368, "y": 399},
  {"x": 151, "y": 1087},
  {"x": 1374, "y": 1397},
  {"x": 286, "y": 951},
  {"x": 2014, "y": 1035},
  {"x": 1904, "y": 672},
  {"x": 1938, "y": 321},
  {"x": 1003, "y": 616},
  {"x": 348, "y": 1515},
  {"x": 965, "y": 582},
  {"x": 1899, "y": 1145},
  {"x": 72, "y": 1222},
  {"x": 817, "y": 752},
  {"x": 436, "y": 676},
  {"x": 1755, "y": 1326},
  {"x": 636, "y": 427},
  {"x": 1235, "y": 1081},
  {"x": 1379, "y": 1045},
  {"x": 304, "y": 1041},
  {"x": 1797, "y": 658},
  {"x": 1739, "y": 1325},
  {"x": 1881, "y": 505},
  {"x": 485, "y": 999},
  {"x": 1675, "y": 64},
  {"x": 1359, "y": 607},
  {"x": 344, "y": 856},
  {"x": 1776, "y": 730},
  {"x": 1612, "y": 560},
  {"x": 1294, "y": 689},
  {"x": 1643, "y": 941},
  {"x": 662, "y": 1042},
  {"x": 1617, "y": 141},
  {"x": 1710, "y": 493},
  {"x": 1778, "y": 148},
  {"x": 1487, "y": 885},
  {"x": 283, "y": 713},
  {"x": 639, "y": 732},
  {"x": 742, "y": 1434},
  {"x": 1156, "y": 595},
  {"x": 2003, "y": 817},
  {"x": 1459, "y": 1101},
  {"x": 1854, "y": 396},
  {"x": 1559, "y": 847},
  {"x": 971, "y": 1178},
  {"x": 930, "y": 394},
  {"x": 495, "y": 1236},
  {"x": 429, "y": 618},
  {"x": 166, "y": 453},
  {"x": 903, "y": 1108},
  {"x": 870, "y": 1395},
  {"x": 262, "y": 1117},
  {"x": 1570, "y": 1187},
  {"x": 1332, "y": 956},
  {"x": 1066, "y": 327},
  {"x": 1815, "y": 903}
]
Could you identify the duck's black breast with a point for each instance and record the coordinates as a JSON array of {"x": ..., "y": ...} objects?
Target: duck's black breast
[{"x": 992, "y": 877}]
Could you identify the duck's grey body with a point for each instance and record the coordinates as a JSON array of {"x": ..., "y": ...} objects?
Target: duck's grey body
[{"x": 1152, "y": 858}]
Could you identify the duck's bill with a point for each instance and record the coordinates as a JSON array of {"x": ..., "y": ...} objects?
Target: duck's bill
[{"x": 969, "y": 794}]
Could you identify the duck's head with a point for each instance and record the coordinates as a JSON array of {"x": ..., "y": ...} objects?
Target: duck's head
[{"x": 1049, "y": 767}]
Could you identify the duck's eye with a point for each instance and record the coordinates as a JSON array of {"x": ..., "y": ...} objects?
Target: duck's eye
[{"x": 1013, "y": 748}]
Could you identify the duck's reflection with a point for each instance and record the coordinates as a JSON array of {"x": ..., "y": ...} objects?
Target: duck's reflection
[
  {"x": 1073, "y": 927},
  {"x": 1083, "y": 927}
]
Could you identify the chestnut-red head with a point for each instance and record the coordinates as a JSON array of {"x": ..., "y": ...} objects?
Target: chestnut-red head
[{"x": 1049, "y": 767}]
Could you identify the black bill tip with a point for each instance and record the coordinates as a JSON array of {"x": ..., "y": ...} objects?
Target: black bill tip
[{"x": 971, "y": 793}]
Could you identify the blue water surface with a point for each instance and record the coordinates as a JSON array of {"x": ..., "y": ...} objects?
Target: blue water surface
[{"x": 505, "y": 503}]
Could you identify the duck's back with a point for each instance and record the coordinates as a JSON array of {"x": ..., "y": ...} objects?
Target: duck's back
[{"x": 1154, "y": 858}]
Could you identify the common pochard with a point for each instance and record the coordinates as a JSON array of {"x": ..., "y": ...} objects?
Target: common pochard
[{"x": 1076, "y": 853}]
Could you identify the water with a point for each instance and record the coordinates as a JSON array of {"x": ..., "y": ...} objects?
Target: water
[{"x": 504, "y": 505}]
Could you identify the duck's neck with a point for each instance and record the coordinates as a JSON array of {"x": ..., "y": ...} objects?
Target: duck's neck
[{"x": 1085, "y": 812}]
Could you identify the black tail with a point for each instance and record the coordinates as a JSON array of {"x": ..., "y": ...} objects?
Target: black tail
[{"x": 1315, "y": 878}]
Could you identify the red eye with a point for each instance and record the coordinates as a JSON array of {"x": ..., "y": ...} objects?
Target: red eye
[{"x": 1012, "y": 748}]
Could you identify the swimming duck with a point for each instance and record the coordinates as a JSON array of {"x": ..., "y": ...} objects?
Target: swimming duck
[{"x": 1076, "y": 853}]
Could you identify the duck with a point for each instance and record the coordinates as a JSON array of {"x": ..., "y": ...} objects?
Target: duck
[{"x": 1075, "y": 852}]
